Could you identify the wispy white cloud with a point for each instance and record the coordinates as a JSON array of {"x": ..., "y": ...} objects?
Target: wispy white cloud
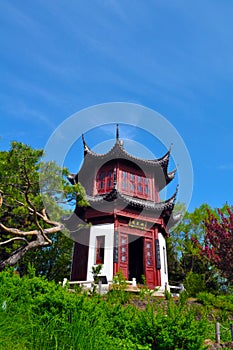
[
  {"x": 226, "y": 166},
  {"x": 20, "y": 17},
  {"x": 31, "y": 88},
  {"x": 61, "y": 70},
  {"x": 117, "y": 8},
  {"x": 19, "y": 110},
  {"x": 22, "y": 20}
]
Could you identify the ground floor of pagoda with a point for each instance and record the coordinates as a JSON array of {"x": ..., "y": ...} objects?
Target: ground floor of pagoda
[{"x": 132, "y": 248}]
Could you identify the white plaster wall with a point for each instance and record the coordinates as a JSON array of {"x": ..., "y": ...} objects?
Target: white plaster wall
[
  {"x": 106, "y": 230},
  {"x": 164, "y": 270}
]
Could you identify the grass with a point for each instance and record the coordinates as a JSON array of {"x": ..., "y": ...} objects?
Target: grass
[{"x": 38, "y": 315}]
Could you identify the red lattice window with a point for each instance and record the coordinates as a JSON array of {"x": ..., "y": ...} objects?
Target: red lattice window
[
  {"x": 135, "y": 184},
  {"x": 99, "y": 250},
  {"x": 105, "y": 180}
]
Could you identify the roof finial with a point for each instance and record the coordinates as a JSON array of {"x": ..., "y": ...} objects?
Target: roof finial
[
  {"x": 84, "y": 145},
  {"x": 117, "y": 132},
  {"x": 83, "y": 139}
]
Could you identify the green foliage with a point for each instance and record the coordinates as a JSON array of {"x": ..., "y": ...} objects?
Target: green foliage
[
  {"x": 176, "y": 274},
  {"x": 178, "y": 329},
  {"x": 27, "y": 186},
  {"x": 223, "y": 302},
  {"x": 191, "y": 226},
  {"x": 220, "y": 309},
  {"x": 167, "y": 295},
  {"x": 18, "y": 175},
  {"x": 119, "y": 281},
  {"x": 194, "y": 283},
  {"x": 55, "y": 188},
  {"x": 53, "y": 262},
  {"x": 188, "y": 262},
  {"x": 172, "y": 328},
  {"x": 144, "y": 290},
  {"x": 38, "y": 314},
  {"x": 96, "y": 271},
  {"x": 50, "y": 317},
  {"x": 118, "y": 291}
]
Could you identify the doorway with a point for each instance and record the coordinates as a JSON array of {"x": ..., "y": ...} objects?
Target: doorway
[{"x": 135, "y": 245}]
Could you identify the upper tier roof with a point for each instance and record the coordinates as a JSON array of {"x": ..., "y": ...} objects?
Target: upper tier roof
[
  {"x": 158, "y": 166},
  {"x": 118, "y": 151}
]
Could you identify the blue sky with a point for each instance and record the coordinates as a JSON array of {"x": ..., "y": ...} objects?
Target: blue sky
[{"x": 175, "y": 57}]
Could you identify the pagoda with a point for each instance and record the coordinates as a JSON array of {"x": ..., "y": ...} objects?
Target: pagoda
[{"x": 125, "y": 225}]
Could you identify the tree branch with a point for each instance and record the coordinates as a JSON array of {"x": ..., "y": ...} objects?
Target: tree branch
[
  {"x": 20, "y": 252},
  {"x": 14, "y": 239},
  {"x": 15, "y": 231}
]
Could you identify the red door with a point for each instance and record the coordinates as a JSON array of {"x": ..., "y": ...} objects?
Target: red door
[
  {"x": 123, "y": 254},
  {"x": 149, "y": 262}
]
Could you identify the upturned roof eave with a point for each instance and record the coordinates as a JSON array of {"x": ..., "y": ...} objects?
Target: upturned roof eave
[
  {"x": 118, "y": 151},
  {"x": 115, "y": 195}
]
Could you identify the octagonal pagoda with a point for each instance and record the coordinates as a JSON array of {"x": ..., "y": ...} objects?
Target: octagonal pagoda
[{"x": 128, "y": 223}]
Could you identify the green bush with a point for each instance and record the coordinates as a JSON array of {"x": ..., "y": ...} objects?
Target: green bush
[
  {"x": 224, "y": 302},
  {"x": 178, "y": 329},
  {"x": 194, "y": 283},
  {"x": 36, "y": 314},
  {"x": 174, "y": 327}
]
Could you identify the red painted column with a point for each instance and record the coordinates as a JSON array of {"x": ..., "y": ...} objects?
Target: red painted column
[
  {"x": 115, "y": 247},
  {"x": 157, "y": 271}
]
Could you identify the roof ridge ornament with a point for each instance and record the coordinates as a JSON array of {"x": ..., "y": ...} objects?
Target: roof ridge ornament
[
  {"x": 85, "y": 146},
  {"x": 84, "y": 142},
  {"x": 177, "y": 190},
  {"x": 118, "y": 141},
  {"x": 117, "y": 132}
]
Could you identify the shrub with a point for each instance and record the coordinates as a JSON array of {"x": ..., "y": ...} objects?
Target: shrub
[
  {"x": 194, "y": 283},
  {"x": 37, "y": 314},
  {"x": 171, "y": 328}
]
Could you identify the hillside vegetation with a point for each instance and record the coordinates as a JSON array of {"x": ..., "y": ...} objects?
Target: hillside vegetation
[{"x": 38, "y": 314}]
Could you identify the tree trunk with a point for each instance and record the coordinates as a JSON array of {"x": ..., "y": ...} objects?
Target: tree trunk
[{"x": 20, "y": 252}]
